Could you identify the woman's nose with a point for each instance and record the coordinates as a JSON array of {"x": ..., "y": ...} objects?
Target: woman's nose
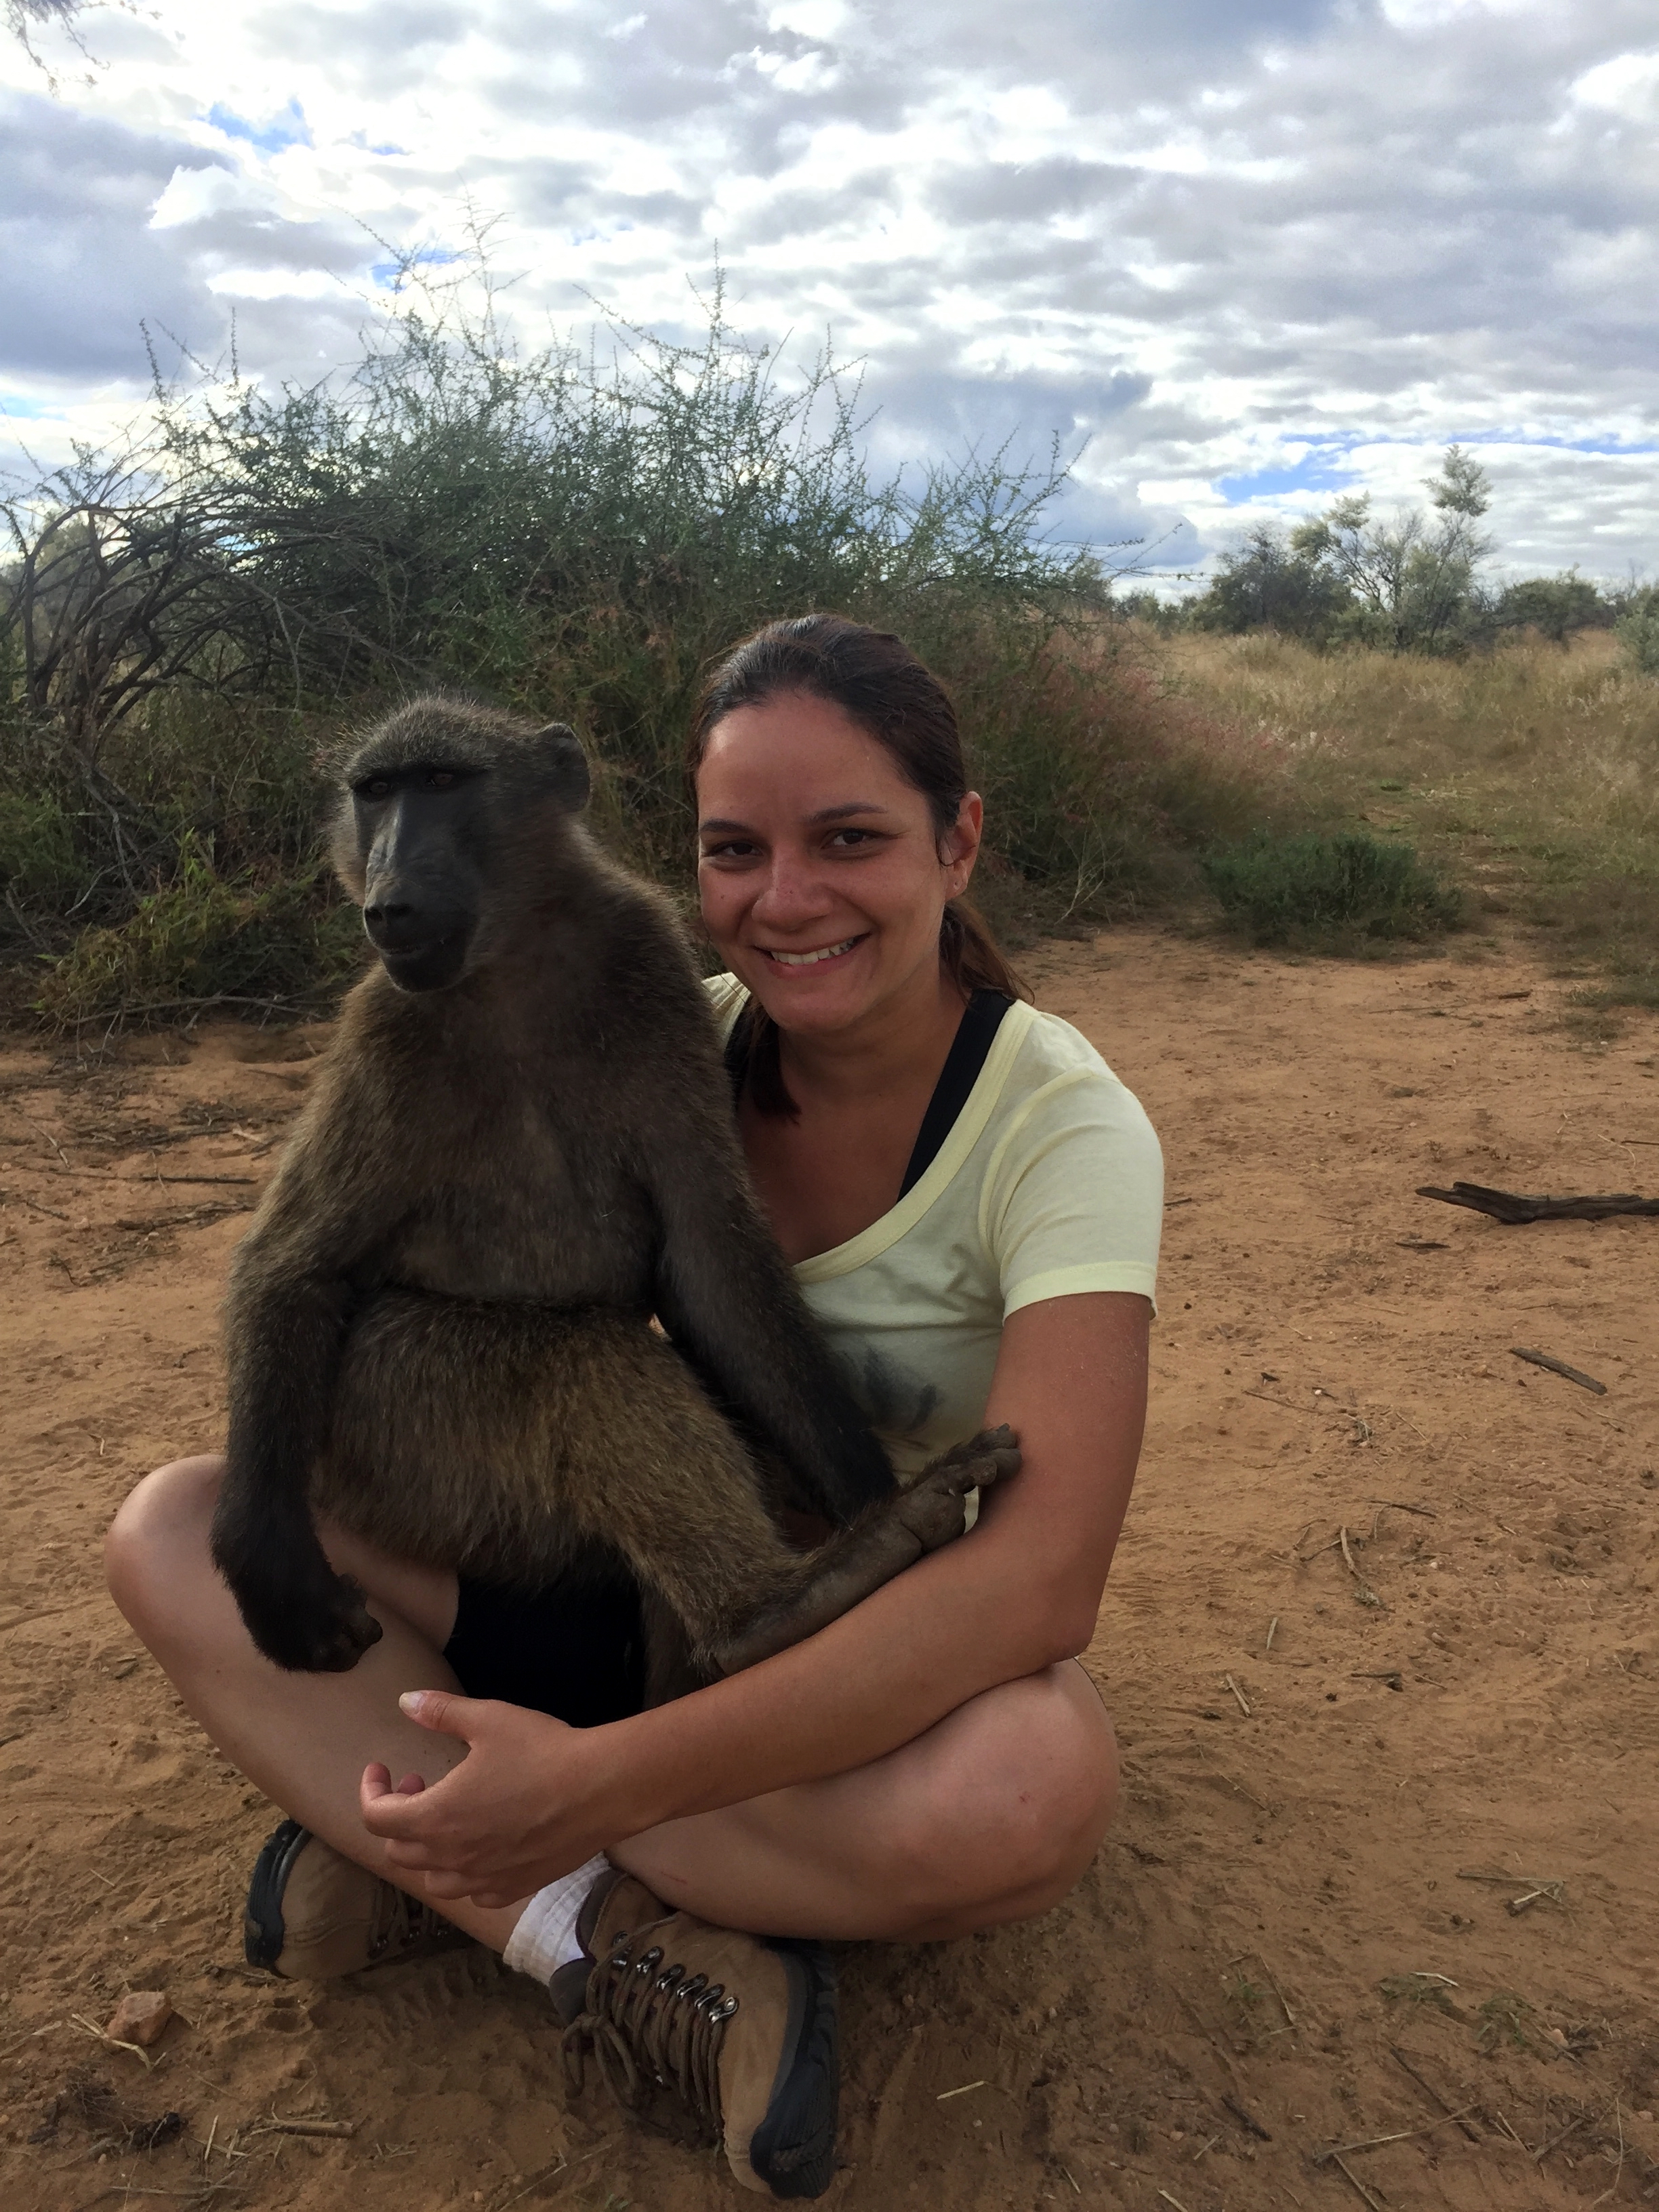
[{"x": 792, "y": 893}]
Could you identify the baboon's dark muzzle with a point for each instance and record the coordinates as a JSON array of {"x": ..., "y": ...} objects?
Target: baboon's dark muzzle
[
  {"x": 420, "y": 896},
  {"x": 423, "y": 941}
]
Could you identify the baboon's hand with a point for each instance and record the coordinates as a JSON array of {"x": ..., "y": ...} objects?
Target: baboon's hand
[
  {"x": 933, "y": 1507},
  {"x": 312, "y": 1622}
]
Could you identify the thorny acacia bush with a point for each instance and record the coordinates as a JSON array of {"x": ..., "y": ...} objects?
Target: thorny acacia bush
[{"x": 187, "y": 624}]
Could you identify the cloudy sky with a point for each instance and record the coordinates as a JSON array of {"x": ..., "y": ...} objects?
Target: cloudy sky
[{"x": 1243, "y": 252}]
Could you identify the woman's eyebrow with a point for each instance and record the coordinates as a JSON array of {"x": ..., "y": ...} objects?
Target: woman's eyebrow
[
  {"x": 851, "y": 806},
  {"x": 719, "y": 825}
]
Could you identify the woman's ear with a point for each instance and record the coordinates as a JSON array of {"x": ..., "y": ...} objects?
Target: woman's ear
[{"x": 958, "y": 848}]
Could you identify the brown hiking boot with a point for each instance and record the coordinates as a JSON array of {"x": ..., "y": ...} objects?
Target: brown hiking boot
[
  {"x": 311, "y": 1914},
  {"x": 740, "y": 2029}
]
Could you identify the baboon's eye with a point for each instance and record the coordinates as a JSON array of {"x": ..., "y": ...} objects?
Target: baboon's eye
[
  {"x": 441, "y": 779},
  {"x": 376, "y": 788}
]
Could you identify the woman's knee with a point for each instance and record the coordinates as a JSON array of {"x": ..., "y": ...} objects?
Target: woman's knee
[
  {"x": 1005, "y": 1826},
  {"x": 160, "y": 1533}
]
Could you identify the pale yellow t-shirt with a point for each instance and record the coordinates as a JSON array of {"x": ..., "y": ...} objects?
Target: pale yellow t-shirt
[{"x": 1051, "y": 1183}]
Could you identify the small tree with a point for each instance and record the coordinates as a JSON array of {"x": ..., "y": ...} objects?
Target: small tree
[
  {"x": 1266, "y": 583},
  {"x": 1413, "y": 579},
  {"x": 1638, "y": 626},
  {"x": 1554, "y": 606}
]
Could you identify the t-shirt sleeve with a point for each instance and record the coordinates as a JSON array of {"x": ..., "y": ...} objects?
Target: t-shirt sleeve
[
  {"x": 1073, "y": 1200},
  {"x": 726, "y": 998}
]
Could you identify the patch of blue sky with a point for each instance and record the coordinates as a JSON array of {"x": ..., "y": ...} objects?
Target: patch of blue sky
[
  {"x": 12, "y": 403},
  {"x": 1613, "y": 447},
  {"x": 1324, "y": 467},
  {"x": 388, "y": 274},
  {"x": 360, "y": 138},
  {"x": 288, "y": 127}
]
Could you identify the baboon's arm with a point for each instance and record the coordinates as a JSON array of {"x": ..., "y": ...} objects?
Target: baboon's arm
[
  {"x": 726, "y": 1296},
  {"x": 289, "y": 1300}
]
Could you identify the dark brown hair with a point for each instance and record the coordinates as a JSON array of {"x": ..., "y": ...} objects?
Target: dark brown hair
[{"x": 880, "y": 683}]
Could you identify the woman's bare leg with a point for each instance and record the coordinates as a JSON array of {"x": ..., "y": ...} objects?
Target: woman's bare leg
[
  {"x": 991, "y": 1816},
  {"x": 303, "y": 1739}
]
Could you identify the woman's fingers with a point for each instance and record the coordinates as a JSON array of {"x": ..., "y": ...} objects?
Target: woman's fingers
[{"x": 442, "y": 1711}]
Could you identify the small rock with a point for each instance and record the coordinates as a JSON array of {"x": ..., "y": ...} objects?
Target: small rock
[{"x": 140, "y": 2017}]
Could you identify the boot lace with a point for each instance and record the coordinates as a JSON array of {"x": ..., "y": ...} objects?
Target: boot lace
[
  {"x": 399, "y": 1920},
  {"x": 646, "y": 2022}
]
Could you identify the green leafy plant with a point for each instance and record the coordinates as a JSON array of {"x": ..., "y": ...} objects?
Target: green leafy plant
[
  {"x": 202, "y": 940},
  {"x": 1316, "y": 890}
]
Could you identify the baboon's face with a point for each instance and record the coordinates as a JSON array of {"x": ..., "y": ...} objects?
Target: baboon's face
[
  {"x": 421, "y": 832},
  {"x": 453, "y": 825}
]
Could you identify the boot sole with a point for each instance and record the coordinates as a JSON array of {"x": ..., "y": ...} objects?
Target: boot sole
[
  {"x": 263, "y": 1931},
  {"x": 794, "y": 2149}
]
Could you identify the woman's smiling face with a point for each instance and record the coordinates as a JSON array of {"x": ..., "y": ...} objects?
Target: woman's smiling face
[{"x": 823, "y": 878}]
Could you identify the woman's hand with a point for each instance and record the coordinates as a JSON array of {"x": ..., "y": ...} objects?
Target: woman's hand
[{"x": 520, "y": 1809}]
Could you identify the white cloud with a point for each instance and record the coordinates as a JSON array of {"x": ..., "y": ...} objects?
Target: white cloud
[
  {"x": 1252, "y": 251},
  {"x": 194, "y": 196},
  {"x": 1628, "y": 85}
]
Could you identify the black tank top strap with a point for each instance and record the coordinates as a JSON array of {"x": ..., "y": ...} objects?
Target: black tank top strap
[
  {"x": 982, "y": 1018},
  {"x": 970, "y": 1047}
]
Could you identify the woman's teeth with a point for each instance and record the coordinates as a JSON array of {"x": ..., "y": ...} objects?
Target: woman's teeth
[{"x": 806, "y": 959}]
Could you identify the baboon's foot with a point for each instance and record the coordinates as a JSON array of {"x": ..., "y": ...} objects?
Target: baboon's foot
[
  {"x": 323, "y": 1630},
  {"x": 935, "y": 1505},
  {"x": 893, "y": 1536}
]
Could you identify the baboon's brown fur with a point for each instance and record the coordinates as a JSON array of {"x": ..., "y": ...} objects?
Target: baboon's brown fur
[{"x": 438, "y": 1323}]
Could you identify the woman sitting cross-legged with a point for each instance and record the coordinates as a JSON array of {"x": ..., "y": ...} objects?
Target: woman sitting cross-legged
[{"x": 972, "y": 1203}]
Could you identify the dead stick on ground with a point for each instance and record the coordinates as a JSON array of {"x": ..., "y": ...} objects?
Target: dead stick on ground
[
  {"x": 1405, "y": 2134},
  {"x": 1618, "y": 2173},
  {"x": 1399, "y": 1505},
  {"x": 1353, "y": 2179},
  {"x": 1268, "y": 1399},
  {"x": 1247, "y": 2120},
  {"x": 1243, "y": 1703},
  {"x": 1430, "y": 2092},
  {"x": 113, "y": 2042},
  {"x": 1538, "y": 1884},
  {"x": 1364, "y": 1591},
  {"x": 276, "y": 2127},
  {"x": 1176, "y": 2201},
  {"x": 1559, "y": 1367},
  {"x": 167, "y": 1178},
  {"x": 39, "y": 1208},
  {"x": 1272, "y": 1627},
  {"x": 1557, "y": 2140},
  {"x": 47, "y": 1135},
  {"x": 553, "y": 2169}
]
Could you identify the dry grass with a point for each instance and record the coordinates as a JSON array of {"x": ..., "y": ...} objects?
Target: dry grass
[{"x": 1531, "y": 775}]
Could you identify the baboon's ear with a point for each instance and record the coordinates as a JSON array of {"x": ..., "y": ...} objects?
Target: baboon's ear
[{"x": 565, "y": 765}]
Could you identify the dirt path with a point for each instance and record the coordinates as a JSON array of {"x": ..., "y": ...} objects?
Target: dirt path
[{"x": 1281, "y": 1906}]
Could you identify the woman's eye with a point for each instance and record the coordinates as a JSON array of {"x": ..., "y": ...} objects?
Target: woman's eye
[
  {"x": 849, "y": 839},
  {"x": 732, "y": 849}
]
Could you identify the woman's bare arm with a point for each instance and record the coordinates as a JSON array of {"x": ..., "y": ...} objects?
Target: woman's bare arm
[{"x": 534, "y": 1798}]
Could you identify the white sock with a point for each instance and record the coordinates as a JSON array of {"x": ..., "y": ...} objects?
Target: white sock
[{"x": 545, "y": 1938}]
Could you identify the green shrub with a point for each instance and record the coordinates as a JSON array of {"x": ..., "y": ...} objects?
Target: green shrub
[
  {"x": 1639, "y": 632},
  {"x": 39, "y": 859},
  {"x": 202, "y": 940},
  {"x": 1327, "y": 892}
]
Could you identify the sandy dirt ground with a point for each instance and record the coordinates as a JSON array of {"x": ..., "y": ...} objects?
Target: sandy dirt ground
[{"x": 1388, "y": 1871}]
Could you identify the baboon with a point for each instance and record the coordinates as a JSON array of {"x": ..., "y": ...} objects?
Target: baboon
[{"x": 520, "y": 1148}]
